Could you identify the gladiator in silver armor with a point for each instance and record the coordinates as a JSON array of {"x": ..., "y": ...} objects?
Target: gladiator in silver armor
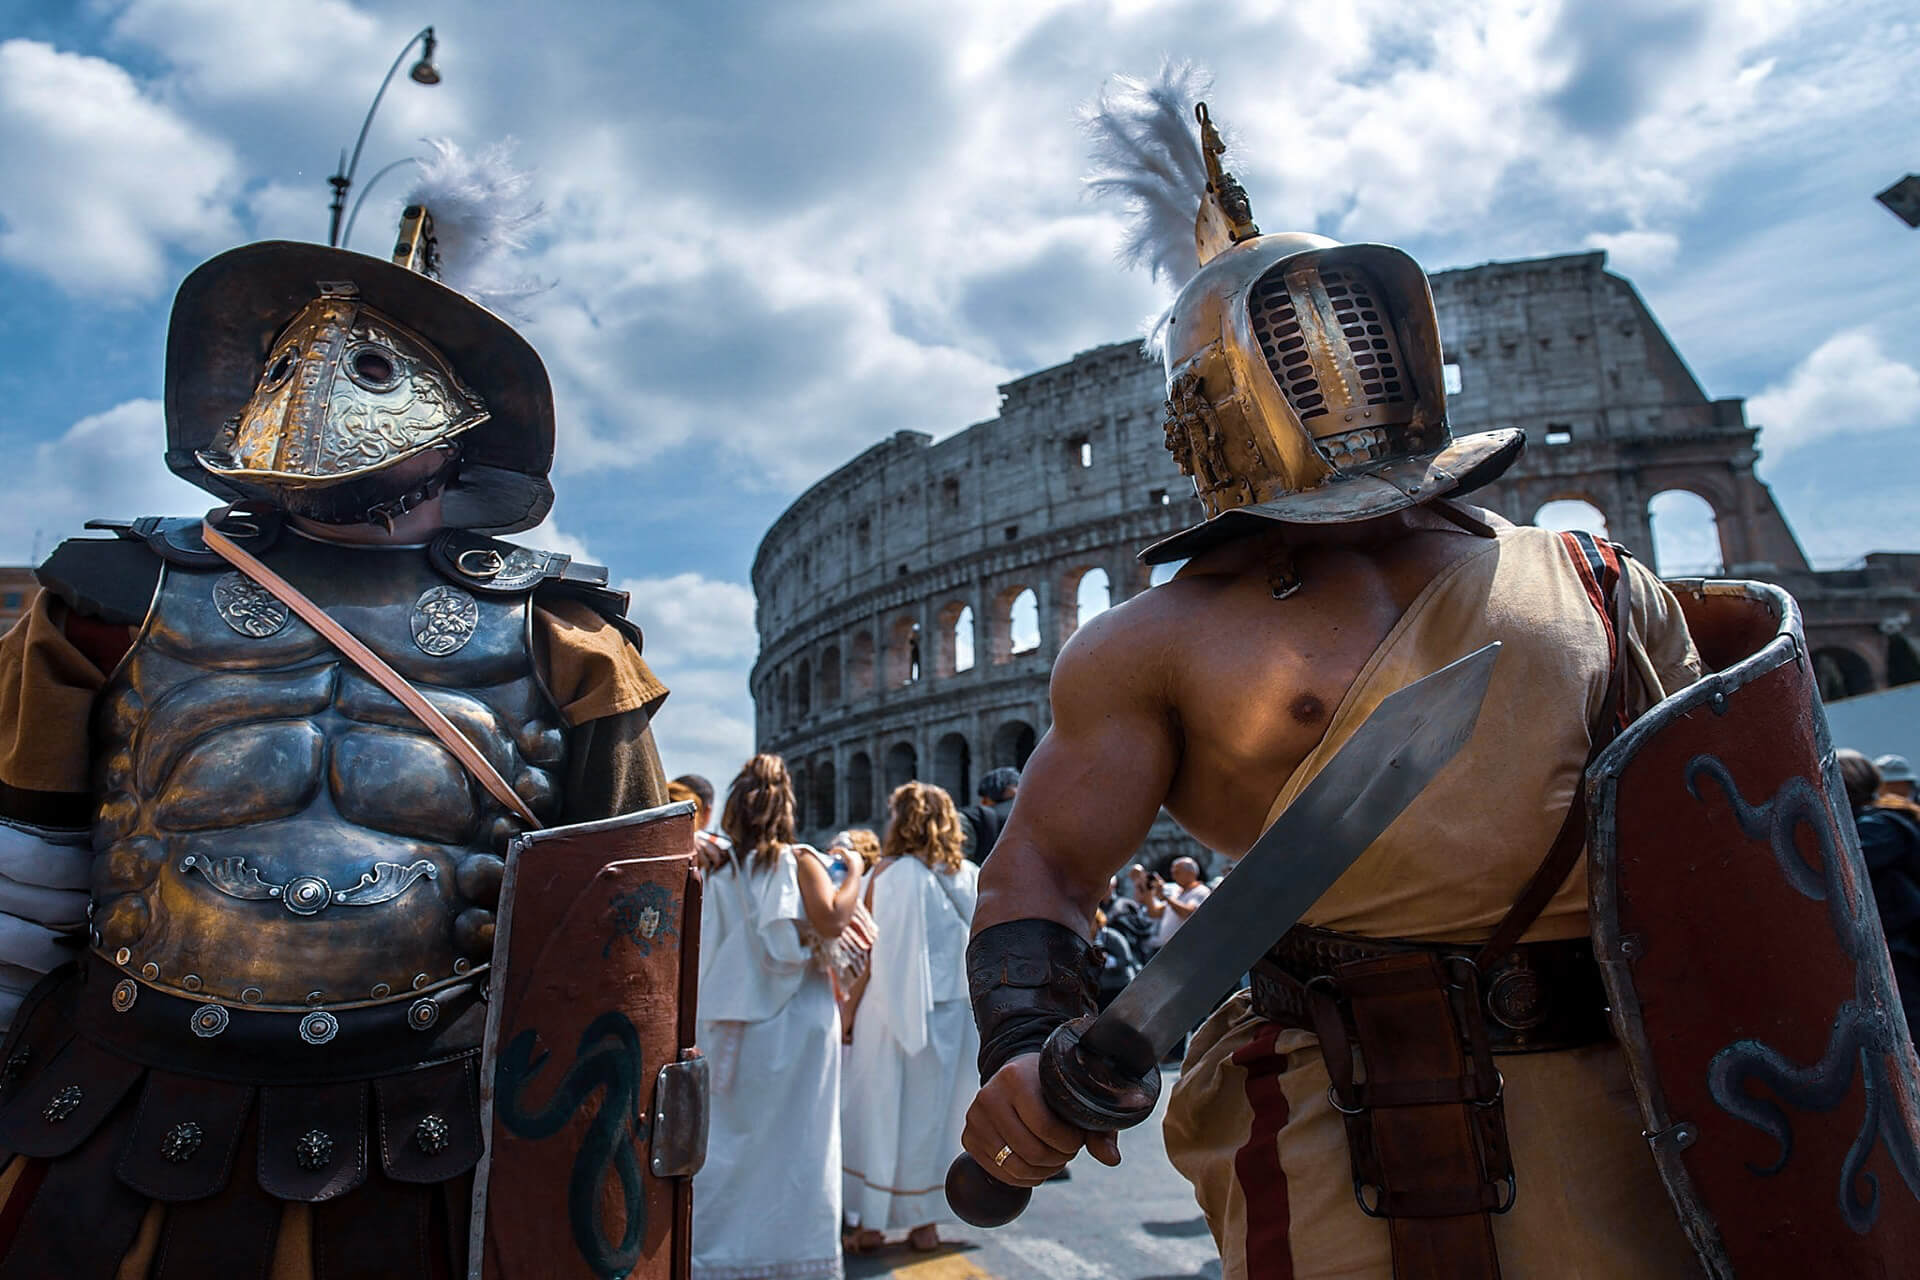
[{"x": 282, "y": 991}]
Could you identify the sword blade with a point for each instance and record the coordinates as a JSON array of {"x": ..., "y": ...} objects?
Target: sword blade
[{"x": 1370, "y": 781}]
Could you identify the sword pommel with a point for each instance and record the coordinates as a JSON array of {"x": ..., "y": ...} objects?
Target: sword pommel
[{"x": 1084, "y": 1088}]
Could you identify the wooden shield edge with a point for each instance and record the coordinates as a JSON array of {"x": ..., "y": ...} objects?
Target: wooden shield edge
[{"x": 503, "y": 926}]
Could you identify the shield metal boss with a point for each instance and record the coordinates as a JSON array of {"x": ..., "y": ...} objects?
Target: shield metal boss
[
  {"x": 1745, "y": 966},
  {"x": 589, "y": 1086}
]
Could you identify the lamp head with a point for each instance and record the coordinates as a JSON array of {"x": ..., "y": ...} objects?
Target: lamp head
[{"x": 424, "y": 72}]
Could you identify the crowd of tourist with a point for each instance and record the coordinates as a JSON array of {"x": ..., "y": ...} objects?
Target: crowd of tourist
[
  {"x": 833, "y": 1010},
  {"x": 1880, "y": 792}
]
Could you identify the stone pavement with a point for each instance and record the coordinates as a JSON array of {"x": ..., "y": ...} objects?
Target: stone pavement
[{"x": 1136, "y": 1222}]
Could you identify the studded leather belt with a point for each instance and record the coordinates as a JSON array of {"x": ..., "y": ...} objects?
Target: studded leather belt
[
  {"x": 158, "y": 1029},
  {"x": 1544, "y": 996}
]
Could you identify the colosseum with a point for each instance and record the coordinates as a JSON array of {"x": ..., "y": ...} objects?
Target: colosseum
[{"x": 911, "y": 603}]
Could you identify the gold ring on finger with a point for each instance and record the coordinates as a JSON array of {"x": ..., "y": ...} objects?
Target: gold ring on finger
[{"x": 1000, "y": 1156}]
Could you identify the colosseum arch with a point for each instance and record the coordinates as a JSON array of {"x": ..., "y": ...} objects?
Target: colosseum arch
[
  {"x": 903, "y": 766},
  {"x": 822, "y": 810},
  {"x": 786, "y": 699},
  {"x": 1686, "y": 535},
  {"x": 860, "y": 663},
  {"x": 903, "y": 651},
  {"x": 1090, "y": 589},
  {"x": 803, "y": 689},
  {"x": 1842, "y": 672},
  {"x": 1015, "y": 626},
  {"x": 1013, "y": 742},
  {"x": 826, "y": 680},
  {"x": 800, "y": 777},
  {"x": 953, "y": 638},
  {"x": 1571, "y": 511},
  {"x": 859, "y": 787},
  {"x": 953, "y": 766}
]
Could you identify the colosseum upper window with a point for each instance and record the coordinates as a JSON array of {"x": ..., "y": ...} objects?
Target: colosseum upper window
[
  {"x": 860, "y": 663},
  {"x": 1092, "y": 596},
  {"x": 954, "y": 651},
  {"x": 1023, "y": 622}
]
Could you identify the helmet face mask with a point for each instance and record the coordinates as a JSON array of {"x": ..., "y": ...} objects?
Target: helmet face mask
[
  {"x": 344, "y": 393},
  {"x": 1304, "y": 386}
]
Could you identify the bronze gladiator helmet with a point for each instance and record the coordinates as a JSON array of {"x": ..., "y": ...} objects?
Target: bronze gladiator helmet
[
  {"x": 1304, "y": 376},
  {"x": 298, "y": 371}
]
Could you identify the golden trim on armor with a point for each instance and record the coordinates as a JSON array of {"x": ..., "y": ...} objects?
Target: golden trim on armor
[{"x": 444, "y": 619}]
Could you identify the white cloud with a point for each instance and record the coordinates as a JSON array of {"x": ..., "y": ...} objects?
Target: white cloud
[
  {"x": 700, "y": 639},
  {"x": 98, "y": 180},
  {"x": 106, "y": 465},
  {"x": 1848, "y": 384},
  {"x": 1634, "y": 252}
]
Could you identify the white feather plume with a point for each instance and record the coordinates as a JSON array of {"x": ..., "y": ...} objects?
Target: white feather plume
[
  {"x": 483, "y": 211},
  {"x": 1146, "y": 152}
]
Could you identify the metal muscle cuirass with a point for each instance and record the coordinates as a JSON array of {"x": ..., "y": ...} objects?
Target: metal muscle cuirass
[{"x": 275, "y": 831}]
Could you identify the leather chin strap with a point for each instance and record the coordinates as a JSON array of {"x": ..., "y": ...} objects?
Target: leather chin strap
[{"x": 372, "y": 664}]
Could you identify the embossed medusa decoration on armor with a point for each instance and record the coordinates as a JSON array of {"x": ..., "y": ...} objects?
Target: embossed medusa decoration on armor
[
  {"x": 443, "y": 620},
  {"x": 1862, "y": 1036},
  {"x": 609, "y": 1061}
]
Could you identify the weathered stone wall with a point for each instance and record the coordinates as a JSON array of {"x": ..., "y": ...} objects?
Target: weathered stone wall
[{"x": 871, "y": 584}]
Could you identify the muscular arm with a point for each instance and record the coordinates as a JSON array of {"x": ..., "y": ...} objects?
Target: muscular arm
[
  {"x": 1087, "y": 798},
  {"x": 1092, "y": 788}
]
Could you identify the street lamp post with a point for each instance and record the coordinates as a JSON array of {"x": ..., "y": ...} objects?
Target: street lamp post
[{"x": 423, "y": 72}]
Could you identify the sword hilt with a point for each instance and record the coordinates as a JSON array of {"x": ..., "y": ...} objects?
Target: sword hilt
[{"x": 1084, "y": 1089}]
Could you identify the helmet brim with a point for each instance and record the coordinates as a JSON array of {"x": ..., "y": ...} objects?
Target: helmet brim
[{"x": 1467, "y": 463}]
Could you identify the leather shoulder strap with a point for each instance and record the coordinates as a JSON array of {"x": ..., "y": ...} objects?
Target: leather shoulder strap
[
  {"x": 1602, "y": 572},
  {"x": 375, "y": 667}
]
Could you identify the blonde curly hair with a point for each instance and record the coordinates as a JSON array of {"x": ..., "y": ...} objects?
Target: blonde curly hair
[
  {"x": 759, "y": 813},
  {"x": 924, "y": 825}
]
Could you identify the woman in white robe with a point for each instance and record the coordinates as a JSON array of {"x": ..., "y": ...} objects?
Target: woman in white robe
[
  {"x": 910, "y": 1072},
  {"x": 767, "y": 1201}
]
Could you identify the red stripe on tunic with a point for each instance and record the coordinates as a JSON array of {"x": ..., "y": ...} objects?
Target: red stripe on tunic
[{"x": 1256, "y": 1165}]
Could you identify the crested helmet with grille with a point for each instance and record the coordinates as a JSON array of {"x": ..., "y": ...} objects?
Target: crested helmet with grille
[
  {"x": 349, "y": 388},
  {"x": 1304, "y": 380}
]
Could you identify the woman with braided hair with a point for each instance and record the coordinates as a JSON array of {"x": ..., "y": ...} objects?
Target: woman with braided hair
[
  {"x": 913, "y": 1040},
  {"x": 767, "y": 1202}
]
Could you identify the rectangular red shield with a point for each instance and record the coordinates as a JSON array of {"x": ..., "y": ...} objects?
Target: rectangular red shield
[{"x": 592, "y": 1098}]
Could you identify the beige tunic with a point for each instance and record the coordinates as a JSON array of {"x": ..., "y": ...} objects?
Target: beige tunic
[{"x": 1250, "y": 1124}]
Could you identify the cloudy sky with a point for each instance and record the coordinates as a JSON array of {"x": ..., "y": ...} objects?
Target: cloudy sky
[{"x": 780, "y": 231}]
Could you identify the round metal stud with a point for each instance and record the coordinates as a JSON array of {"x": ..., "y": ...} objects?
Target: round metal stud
[
  {"x": 191, "y": 982},
  {"x": 125, "y": 992},
  {"x": 462, "y": 965},
  {"x": 314, "y": 1150},
  {"x": 419, "y": 980},
  {"x": 16, "y": 1063},
  {"x": 306, "y": 895},
  {"x": 318, "y": 1028},
  {"x": 423, "y": 1013},
  {"x": 149, "y": 971},
  {"x": 252, "y": 995},
  {"x": 180, "y": 1142},
  {"x": 209, "y": 1020},
  {"x": 316, "y": 997},
  {"x": 433, "y": 1134},
  {"x": 63, "y": 1104},
  {"x": 381, "y": 991},
  {"x": 122, "y": 956}
]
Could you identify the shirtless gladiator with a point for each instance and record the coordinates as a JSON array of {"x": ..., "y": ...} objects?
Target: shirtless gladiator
[{"x": 1335, "y": 566}]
